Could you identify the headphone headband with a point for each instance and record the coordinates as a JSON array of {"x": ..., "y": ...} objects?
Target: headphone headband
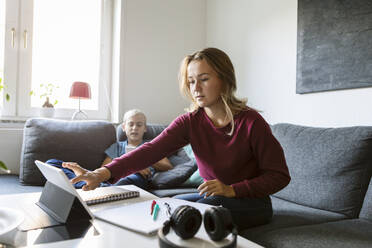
[{"x": 216, "y": 217}]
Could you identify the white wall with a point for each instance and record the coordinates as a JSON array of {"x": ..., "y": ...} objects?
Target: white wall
[
  {"x": 260, "y": 36},
  {"x": 156, "y": 37},
  {"x": 10, "y": 147}
]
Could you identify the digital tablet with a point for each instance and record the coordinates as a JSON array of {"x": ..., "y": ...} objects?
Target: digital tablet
[{"x": 57, "y": 204}]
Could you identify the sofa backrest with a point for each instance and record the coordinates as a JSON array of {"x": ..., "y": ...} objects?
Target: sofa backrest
[
  {"x": 330, "y": 167},
  {"x": 366, "y": 212},
  {"x": 83, "y": 142}
]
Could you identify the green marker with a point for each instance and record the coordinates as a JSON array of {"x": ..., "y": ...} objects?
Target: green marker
[{"x": 156, "y": 211}]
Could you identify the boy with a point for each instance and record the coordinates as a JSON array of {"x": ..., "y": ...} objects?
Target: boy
[{"x": 134, "y": 126}]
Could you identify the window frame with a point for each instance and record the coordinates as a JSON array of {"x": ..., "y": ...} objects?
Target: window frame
[
  {"x": 10, "y": 57},
  {"x": 18, "y": 64}
]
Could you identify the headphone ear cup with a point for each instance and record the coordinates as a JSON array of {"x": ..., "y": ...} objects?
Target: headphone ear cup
[
  {"x": 217, "y": 222},
  {"x": 186, "y": 221}
]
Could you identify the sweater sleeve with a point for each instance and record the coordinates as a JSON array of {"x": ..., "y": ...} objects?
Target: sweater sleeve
[
  {"x": 171, "y": 139},
  {"x": 273, "y": 174}
]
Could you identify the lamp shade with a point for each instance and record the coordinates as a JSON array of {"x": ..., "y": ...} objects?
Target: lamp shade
[{"x": 80, "y": 90}]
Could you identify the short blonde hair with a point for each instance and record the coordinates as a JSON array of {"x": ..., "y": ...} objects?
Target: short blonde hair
[
  {"x": 220, "y": 62},
  {"x": 131, "y": 113}
]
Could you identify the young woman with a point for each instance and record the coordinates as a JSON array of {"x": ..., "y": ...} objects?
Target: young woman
[{"x": 240, "y": 160}]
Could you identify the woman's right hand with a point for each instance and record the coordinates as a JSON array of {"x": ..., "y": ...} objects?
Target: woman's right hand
[{"x": 92, "y": 178}]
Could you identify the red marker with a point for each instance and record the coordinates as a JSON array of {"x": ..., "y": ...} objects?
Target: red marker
[{"x": 152, "y": 206}]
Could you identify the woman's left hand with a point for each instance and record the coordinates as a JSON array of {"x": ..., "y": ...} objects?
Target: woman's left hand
[{"x": 216, "y": 187}]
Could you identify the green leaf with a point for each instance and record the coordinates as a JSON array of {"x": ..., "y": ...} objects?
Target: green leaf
[
  {"x": 7, "y": 97},
  {"x": 32, "y": 93},
  {"x": 55, "y": 102},
  {"x": 3, "y": 167}
]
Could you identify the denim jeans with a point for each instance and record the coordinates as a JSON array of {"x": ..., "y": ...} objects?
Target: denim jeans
[
  {"x": 136, "y": 179},
  {"x": 245, "y": 212}
]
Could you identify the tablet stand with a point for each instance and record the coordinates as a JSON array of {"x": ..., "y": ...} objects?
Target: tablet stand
[{"x": 61, "y": 205}]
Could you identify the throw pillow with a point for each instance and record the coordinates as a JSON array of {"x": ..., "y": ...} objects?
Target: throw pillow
[
  {"x": 183, "y": 167},
  {"x": 330, "y": 168},
  {"x": 189, "y": 152},
  {"x": 195, "y": 179}
]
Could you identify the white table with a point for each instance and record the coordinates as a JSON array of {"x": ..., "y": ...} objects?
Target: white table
[{"x": 111, "y": 235}]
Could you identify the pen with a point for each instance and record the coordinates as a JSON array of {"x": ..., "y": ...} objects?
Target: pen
[
  {"x": 168, "y": 209},
  {"x": 152, "y": 206},
  {"x": 156, "y": 211}
]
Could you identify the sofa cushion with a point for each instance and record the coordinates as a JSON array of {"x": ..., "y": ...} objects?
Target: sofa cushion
[
  {"x": 83, "y": 142},
  {"x": 366, "y": 211},
  {"x": 330, "y": 167},
  {"x": 183, "y": 168},
  {"x": 288, "y": 214},
  {"x": 195, "y": 179},
  {"x": 354, "y": 233}
]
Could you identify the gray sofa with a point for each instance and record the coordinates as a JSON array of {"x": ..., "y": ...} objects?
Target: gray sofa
[
  {"x": 85, "y": 142},
  {"x": 328, "y": 202}
]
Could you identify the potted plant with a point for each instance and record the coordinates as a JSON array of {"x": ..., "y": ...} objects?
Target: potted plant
[
  {"x": 46, "y": 92},
  {"x": 3, "y": 167},
  {"x": 3, "y": 87}
]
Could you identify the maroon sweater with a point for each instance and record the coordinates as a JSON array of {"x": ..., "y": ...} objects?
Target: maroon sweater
[{"x": 251, "y": 160}]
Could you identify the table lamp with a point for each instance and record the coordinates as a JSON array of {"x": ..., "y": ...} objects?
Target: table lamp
[{"x": 80, "y": 90}]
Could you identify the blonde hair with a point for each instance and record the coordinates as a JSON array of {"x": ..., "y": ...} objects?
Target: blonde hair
[
  {"x": 220, "y": 62},
  {"x": 131, "y": 113}
]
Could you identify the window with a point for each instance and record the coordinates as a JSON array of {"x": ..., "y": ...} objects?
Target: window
[
  {"x": 2, "y": 38},
  {"x": 55, "y": 42}
]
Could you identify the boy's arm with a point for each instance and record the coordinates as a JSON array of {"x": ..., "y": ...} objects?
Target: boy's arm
[
  {"x": 163, "y": 165},
  {"x": 106, "y": 161}
]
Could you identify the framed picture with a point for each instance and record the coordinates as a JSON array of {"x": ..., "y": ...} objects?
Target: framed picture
[{"x": 334, "y": 45}]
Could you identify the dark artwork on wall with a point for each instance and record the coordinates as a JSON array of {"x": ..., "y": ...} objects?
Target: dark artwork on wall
[{"x": 334, "y": 45}]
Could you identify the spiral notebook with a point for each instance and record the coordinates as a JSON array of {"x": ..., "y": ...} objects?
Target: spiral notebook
[
  {"x": 137, "y": 216},
  {"x": 107, "y": 194}
]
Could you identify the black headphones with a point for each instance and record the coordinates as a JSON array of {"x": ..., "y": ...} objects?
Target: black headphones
[{"x": 186, "y": 221}]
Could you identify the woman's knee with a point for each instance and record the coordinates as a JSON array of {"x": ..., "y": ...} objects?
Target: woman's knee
[
  {"x": 213, "y": 200},
  {"x": 247, "y": 219},
  {"x": 193, "y": 197},
  {"x": 245, "y": 213}
]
